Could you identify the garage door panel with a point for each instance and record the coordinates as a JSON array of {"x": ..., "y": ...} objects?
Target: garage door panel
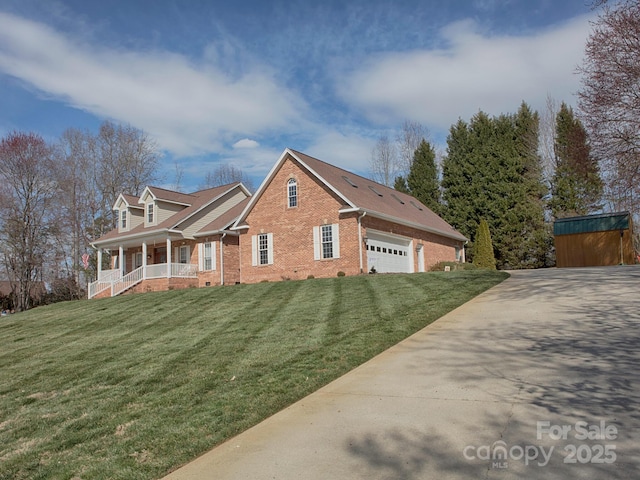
[{"x": 388, "y": 254}]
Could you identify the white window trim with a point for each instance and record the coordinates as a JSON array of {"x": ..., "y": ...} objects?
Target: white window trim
[
  {"x": 176, "y": 254},
  {"x": 317, "y": 242},
  {"x": 290, "y": 183},
  {"x": 134, "y": 262},
  {"x": 255, "y": 253},
  {"x": 201, "y": 249},
  {"x": 124, "y": 220},
  {"x": 153, "y": 213}
]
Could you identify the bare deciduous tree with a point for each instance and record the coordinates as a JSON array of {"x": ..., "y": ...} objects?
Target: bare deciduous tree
[
  {"x": 128, "y": 161},
  {"x": 76, "y": 174},
  {"x": 609, "y": 100},
  {"x": 384, "y": 163},
  {"x": 408, "y": 140},
  {"x": 28, "y": 193},
  {"x": 548, "y": 138},
  {"x": 225, "y": 174}
]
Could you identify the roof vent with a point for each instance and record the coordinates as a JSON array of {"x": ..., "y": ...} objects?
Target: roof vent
[
  {"x": 400, "y": 201},
  {"x": 416, "y": 205},
  {"x": 373, "y": 189},
  {"x": 348, "y": 180}
]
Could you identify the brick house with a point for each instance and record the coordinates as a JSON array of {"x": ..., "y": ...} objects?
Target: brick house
[
  {"x": 166, "y": 239},
  {"x": 312, "y": 218},
  {"x": 307, "y": 218}
]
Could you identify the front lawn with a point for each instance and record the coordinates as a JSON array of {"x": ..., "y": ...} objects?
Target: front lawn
[{"x": 134, "y": 386}]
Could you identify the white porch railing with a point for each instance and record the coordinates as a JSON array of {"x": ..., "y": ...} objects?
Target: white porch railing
[
  {"x": 158, "y": 270},
  {"x": 105, "y": 280},
  {"x": 109, "y": 275},
  {"x": 113, "y": 280},
  {"x": 184, "y": 270},
  {"x": 128, "y": 281}
]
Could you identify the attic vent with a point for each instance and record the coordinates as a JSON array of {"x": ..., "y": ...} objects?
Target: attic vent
[
  {"x": 373, "y": 189},
  {"x": 348, "y": 180},
  {"x": 416, "y": 205},
  {"x": 400, "y": 201}
]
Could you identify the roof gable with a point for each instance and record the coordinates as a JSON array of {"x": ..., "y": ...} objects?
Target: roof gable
[
  {"x": 361, "y": 194},
  {"x": 157, "y": 193},
  {"x": 129, "y": 201},
  {"x": 199, "y": 201}
]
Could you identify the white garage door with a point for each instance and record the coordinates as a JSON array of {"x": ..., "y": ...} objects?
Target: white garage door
[{"x": 389, "y": 254}]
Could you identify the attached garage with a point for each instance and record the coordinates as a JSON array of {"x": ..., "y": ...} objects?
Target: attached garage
[
  {"x": 594, "y": 240},
  {"x": 389, "y": 253}
]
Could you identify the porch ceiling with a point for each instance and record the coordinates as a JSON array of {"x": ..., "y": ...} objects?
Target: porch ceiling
[{"x": 159, "y": 240}]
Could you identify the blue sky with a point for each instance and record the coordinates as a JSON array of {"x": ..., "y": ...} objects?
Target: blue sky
[{"x": 237, "y": 82}]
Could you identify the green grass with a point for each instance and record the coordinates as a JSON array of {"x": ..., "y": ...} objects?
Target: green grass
[{"x": 134, "y": 386}]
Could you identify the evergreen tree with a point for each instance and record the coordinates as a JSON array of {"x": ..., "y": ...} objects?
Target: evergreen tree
[
  {"x": 460, "y": 180},
  {"x": 576, "y": 185},
  {"x": 484, "y": 257},
  {"x": 400, "y": 184},
  {"x": 493, "y": 171},
  {"x": 423, "y": 176},
  {"x": 532, "y": 236}
]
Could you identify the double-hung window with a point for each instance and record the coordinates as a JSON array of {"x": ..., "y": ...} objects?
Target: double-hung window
[
  {"x": 150, "y": 213},
  {"x": 207, "y": 256},
  {"x": 262, "y": 249},
  {"x": 326, "y": 242},
  {"x": 123, "y": 219},
  {"x": 184, "y": 254},
  {"x": 292, "y": 193}
]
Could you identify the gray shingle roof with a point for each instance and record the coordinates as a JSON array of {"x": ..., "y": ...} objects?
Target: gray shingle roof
[
  {"x": 196, "y": 201},
  {"x": 363, "y": 194}
]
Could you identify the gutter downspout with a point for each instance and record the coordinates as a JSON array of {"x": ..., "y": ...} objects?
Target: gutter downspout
[
  {"x": 360, "y": 237},
  {"x": 222, "y": 258}
]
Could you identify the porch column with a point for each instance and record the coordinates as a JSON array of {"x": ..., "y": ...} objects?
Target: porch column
[
  {"x": 144, "y": 260},
  {"x": 99, "y": 263},
  {"x": 168, "y": 258},
  {"x": 122, "y": 260}
]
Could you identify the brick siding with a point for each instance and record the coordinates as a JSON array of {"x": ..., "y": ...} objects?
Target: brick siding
[{"x": 292, "y": 229}]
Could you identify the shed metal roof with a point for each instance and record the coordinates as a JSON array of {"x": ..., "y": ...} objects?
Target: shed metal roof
[{"x": 592, "y": 223}]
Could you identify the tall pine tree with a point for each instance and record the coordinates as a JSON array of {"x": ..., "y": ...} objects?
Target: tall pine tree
[
  {"x": 576, "y": 185},
  {"x": 423, "y": 176},
  {"x": 492, "y": 170}
]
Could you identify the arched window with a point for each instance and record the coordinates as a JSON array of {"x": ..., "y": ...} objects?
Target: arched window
[{"x": 292, "y": 193}]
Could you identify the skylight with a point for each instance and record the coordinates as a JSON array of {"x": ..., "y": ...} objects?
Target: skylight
[
  {"x": 416, "y": 205},
  {"x": 400, "y": 201},
  {"x": 373, "y": 189},
  {"x": 349, "y": 181}
]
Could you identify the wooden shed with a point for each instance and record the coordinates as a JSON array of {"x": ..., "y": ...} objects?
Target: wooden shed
[{"x": 594, "y": 240}]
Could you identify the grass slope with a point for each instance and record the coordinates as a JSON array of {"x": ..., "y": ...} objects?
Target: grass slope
[{"x": 134, "y": 386}]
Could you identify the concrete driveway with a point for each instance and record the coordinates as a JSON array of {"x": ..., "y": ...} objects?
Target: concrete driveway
[{"x": 536, "y": 378}]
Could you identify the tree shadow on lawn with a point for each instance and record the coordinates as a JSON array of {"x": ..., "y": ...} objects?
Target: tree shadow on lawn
[{"x": 579, "y": 364}]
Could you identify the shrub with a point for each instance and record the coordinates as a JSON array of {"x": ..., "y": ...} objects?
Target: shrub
[
  {"x": 310, "y": 277},
  {"x": 439, "y": 267},
  {"x": 341, "y": 273},
  {"x": 483, "y": 256}
]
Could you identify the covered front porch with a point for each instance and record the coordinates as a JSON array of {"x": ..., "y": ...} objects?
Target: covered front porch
[{"x": 157, "y": 265}]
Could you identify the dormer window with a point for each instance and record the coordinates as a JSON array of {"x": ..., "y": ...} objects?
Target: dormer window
[
  {"x": 149, "y": 213},
  {"x": 292, "y": 193},
  {"x": 123, "y": 219}
]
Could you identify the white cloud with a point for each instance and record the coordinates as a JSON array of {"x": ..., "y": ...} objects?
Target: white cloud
[
  {"x": 188, "y": 109},
  {"x": 473, "y": 72},
  {"x": 350, "y": 151},
  {"x": 246, "y": 143}
]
